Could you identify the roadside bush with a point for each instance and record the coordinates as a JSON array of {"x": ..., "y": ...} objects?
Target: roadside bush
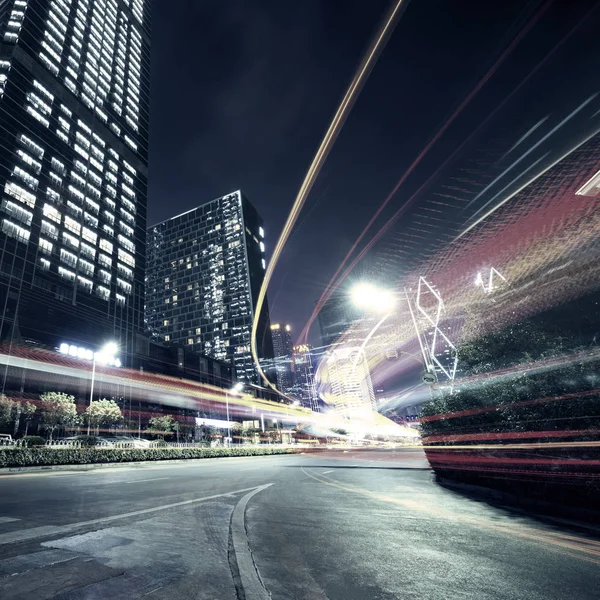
[
  {"x": 28, "y": 457},
  {"x": 33, "y": 440},
  {"x": 87, "y": 441}
]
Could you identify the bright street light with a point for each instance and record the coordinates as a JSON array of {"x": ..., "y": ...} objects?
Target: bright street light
[
  {"x": 370, "y": 297},
  {"x": 106, "y": 355},
  {"x": 236, "y": 389}
]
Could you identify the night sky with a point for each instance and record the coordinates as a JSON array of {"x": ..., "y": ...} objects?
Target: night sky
[{"x": 242, "y": 93}]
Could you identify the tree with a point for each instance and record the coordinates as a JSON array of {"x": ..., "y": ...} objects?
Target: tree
[
  {"x": 58, "y": 410},
  {"x": 7, "y": 407},
  {"x": 28, "y": 410},
  {"x": 163, "y": 425},
  {"x": 103, "y": 412}
]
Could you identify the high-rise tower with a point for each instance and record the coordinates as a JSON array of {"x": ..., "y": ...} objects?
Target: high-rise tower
[
  {"x": 74, "y": 93},
  {"x": 205, "y": 270}
]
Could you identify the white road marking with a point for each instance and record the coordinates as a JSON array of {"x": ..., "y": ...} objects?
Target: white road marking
[
  {"x": 325, "y": 472},
  {"x": 8, "y": 519},
  {"x": 48, "y": 530}
]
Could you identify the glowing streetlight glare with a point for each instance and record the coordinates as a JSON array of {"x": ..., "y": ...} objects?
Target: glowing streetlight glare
[
  {"x": 367, "y": 296},
  {"x": 238, "y": 387},
  {"x": 110, "y": 349}
]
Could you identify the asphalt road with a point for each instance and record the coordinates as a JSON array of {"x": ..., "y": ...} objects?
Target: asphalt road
[{"x": 357, "y": 525}]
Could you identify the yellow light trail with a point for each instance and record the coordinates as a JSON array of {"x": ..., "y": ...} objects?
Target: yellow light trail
[{"x": 325, "y": 147}]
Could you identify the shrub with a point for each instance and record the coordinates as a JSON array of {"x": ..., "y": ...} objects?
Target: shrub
[
  {"x": 87, "y": 441},
  {"x": 67, "y": 455},
  {"x": 33, "y": 440}
]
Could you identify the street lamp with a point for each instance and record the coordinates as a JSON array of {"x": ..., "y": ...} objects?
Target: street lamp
[
  {"x": 236, "y": 389},
  {"x": 105, "y": 355},
  {"x": 370, "y": 297}
]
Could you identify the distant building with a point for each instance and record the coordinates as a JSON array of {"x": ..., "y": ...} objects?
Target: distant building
[
  {"x": 348, "y": 385},
  {"x": 282, "y": 350},
  {"x": 205, "y": 268},
  {"x": 303, "y": 377},
  {"x": 336, "y": 316},
  {"x": 74, "y": 95}
]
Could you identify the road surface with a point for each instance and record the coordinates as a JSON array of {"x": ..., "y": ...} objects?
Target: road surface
[{"x": 356, "y": 525}]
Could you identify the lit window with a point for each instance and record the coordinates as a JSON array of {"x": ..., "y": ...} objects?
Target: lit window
[
  {"x": 70, "y": 240},
  {"x": 89, "y": 235},
  {"x": 16, "y": 211},
  {"x": 126, "y": 258},
  {"x": 104, "y": 260},
  {"x": 11, "y": 229},
  {"x": 48, "y": 229},
  {"x": 68, "y": 257},
  {"x": 36, "y": 115},
  {"x": 51, "y": 213},
  {"x": 34, "y": 164},
  {"x": 24, "y": 176},
  {"x": 57, "y": 165},
  {"x": 66, "y": 273},
  {"x": 103, "y": 292},
  {"x": 45, "y": 246},
  {"x": 31, "y": 145},
  {"x": 72, "y": 225},
  {"x": 106, "y": 246},
  {"x": 87, "y": 250}
]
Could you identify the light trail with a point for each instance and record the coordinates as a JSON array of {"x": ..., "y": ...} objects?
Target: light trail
[
  {"x": 330, "y": 286},
  {"x": 526, "y": 154},
  {"x": 525, "y": 136},
  {"x": 525, "y": 185},
  {"x": 325, "y": 147}
]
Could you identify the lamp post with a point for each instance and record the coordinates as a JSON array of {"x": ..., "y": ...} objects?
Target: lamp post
[
  {"x": 236, "y": 389},
  {"x": 105, "y": 355}
]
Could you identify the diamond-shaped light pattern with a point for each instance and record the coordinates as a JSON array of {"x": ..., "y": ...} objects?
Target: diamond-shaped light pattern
[{"x": 441, "y": 350}]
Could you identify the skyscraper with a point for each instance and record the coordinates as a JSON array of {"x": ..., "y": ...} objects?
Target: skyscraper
[
  {"x": 74, "y": 93},
  {"x": 336, "y": 316},
  {"x": 282, "y": 350},
  {"x": 348, "y": 386},
  {"x": 205, "y": 270},
  {"x": 303, "y": 377}
]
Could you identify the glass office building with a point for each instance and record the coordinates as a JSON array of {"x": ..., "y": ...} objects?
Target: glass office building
[
  {"x": 74, "y": 92},
  {"x": 281, "y": 335},
  {"x": 205, "y": 270}
]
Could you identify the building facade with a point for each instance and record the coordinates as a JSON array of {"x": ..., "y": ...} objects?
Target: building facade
[
  {"x": 74, "y": 94},
  {"x": 303, "y": 377},
  {"x": 347, "y": 384},
  {"x": 336, "y": 317},
  {"x": 281, "y": 335},
  {"x": 205, "y": 270}
]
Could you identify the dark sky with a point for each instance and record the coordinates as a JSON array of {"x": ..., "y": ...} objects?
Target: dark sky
[{"x": 242, "y": 92}]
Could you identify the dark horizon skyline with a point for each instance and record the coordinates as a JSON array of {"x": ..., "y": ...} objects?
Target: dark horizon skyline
[{"x": 255, "y": 89}]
